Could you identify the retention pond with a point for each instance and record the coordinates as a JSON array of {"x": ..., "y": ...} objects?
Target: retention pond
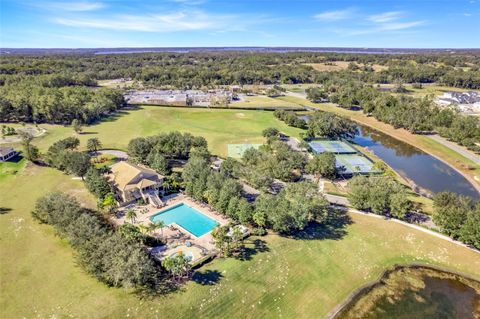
[
  {"x": 416, "y": 292},
  {"x": 424, "y": 170}
]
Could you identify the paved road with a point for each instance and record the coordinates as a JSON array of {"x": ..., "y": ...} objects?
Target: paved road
[
  {"x": 337, "y": 200},
  {"x": 118, "y": 154},
  {"x": 457, "y": 148}
]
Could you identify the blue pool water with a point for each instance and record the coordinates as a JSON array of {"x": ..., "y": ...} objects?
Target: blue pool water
[{"x": 187, "y": 217}]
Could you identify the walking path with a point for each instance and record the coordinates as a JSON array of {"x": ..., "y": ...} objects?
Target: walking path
[{"x": 457, "y": 148}]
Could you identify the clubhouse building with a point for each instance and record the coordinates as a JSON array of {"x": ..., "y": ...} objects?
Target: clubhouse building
[{"x": 132, "y": 182}]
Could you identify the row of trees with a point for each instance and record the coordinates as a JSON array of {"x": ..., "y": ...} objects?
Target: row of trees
[
  {"x": 458, "y": 217},
  {"x": 27, "y": 102},
  {"x": 63, "y": 156},
  {"x": 290, "y": 210},
  {"x": 379, "y": 195},
  {"x": 330, "y": 125},
  {"x": 290, "y": 118},
  {"x": 198, "y": 69},
  {"x": 275, "y": 160},
  {"x": 101, "y": 251},
  {"x": 414, "y": 114},
  {"x": 218, "y": 189},
  {"x": 156, "y": 151}
]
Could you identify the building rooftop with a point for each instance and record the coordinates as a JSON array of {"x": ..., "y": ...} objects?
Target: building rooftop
[
  {"x": 5, "y": 151},
  {"x": 124, "y": 173}
]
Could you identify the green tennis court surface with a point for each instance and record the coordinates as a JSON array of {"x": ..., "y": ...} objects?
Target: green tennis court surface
[
  {"x": 237, "y": 150},
  {"x": 354, "y": 164},
  {"x": 336, "y": 147}
]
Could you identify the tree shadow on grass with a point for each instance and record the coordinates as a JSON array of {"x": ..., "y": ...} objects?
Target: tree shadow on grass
[
  {"x": 207, "y": 277},
  {"x": 251, "y": 248},
  {"x": 161, "y": 287},
  {"x": 118, "y": 114},
  {"x": 333, "y": 228},
  {"x": 16, "y": 159},
  {"x": 4, "y": 210}
]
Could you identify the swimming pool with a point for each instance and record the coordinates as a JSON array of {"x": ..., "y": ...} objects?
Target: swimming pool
[{"x": 186, "y": 217}]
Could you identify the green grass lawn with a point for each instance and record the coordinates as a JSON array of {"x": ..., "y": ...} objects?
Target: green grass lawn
[
  {"x": 11, "y": 167},
  {"x": 294, "y": 278},
  {"x": 219, "y": 127},
  {"x": 262, "y": 101}
]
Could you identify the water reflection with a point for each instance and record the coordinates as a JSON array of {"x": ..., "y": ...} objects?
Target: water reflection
[
  {"x": 417, "y": 292},
  {"x": 413, "y": 164}
]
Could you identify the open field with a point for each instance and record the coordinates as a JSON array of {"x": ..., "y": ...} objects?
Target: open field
[
  {"x": 261, "y": 101},
  {"x": 341, "y": 65},
  {"x": 300, "y": 277},
  {"x": 219, "y": 127},
  {"x": 428, "y": 89},
  {"x": 117, "y": 84}
]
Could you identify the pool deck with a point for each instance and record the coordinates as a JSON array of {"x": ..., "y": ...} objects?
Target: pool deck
[{"x": 174, "y": 234}]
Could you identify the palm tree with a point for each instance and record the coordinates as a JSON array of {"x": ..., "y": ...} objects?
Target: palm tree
[
  {"x": 156, "y": 225},
  {"x": 132, "y": 215},
  {"x": 143, "y": 229}
]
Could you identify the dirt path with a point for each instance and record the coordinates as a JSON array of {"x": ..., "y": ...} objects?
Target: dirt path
[{"x": 457, "y": 148}]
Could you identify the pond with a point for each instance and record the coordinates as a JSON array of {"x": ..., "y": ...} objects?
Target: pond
[
  {"x": 424, "y": 170},
  {"x": 416, "y": 292}
]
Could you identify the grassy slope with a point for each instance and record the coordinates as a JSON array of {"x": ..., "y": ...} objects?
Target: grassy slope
[
  {"x": 295, "y": 277},
  {"x": 219, "y": 127}
]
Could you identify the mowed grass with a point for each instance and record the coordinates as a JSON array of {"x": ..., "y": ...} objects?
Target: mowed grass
[
  {"x": 219, "y": 127},
  {"x": 291, "y": 278},
  {"x": 11, "y": 167},
  {"x": 261, "y": 101}
]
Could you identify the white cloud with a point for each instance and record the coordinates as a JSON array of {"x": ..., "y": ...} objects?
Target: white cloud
[
  {"x": 335, "y": 15},
  {"x": 385, "y": 17},
  {"x": 187, "y": 20},
  {"x": 73, "y": 6},
  {"x": 362, "y": 23}
]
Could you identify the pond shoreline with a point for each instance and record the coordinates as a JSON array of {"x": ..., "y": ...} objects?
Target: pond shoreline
[
  {"x": 470, "y": 179},
  {"x": 368, "y": 287}
]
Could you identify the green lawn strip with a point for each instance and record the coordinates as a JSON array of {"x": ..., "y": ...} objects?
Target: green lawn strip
[
  {"x": 219, "y": 127},
  {"x": 261, "y": 101},
  {"x": 295, "y": 278},
  {"x": 11, "y": 167}
]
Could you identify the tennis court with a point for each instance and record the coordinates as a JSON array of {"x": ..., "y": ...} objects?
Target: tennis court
[
  {"x": 237, "y": 150},
  {"x": 354, "y": 164},
  {"x": 336, "y": 147}
]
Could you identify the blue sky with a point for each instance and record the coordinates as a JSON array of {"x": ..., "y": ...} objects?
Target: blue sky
[{"x": 342, "y": 23}]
